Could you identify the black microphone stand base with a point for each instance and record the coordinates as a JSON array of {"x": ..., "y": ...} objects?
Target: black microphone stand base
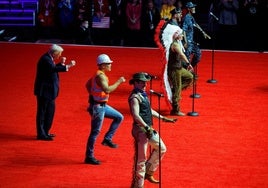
[
  {"x": 212, "y": 81},
  {"x": 192, "y": 114}
]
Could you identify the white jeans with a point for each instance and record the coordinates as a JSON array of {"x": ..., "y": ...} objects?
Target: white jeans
[{"x": 143, "y": 165}]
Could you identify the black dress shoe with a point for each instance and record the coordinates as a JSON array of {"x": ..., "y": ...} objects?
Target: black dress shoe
[
  {"x": 92, "y": 160},
  {"x": 51, "y": 135},
  {"x": 109, "y": 143},
  {"x": 45, "y": 138}
]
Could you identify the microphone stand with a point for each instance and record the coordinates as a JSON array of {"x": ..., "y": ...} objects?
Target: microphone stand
[
  {"x": 159, "y": 130},
  {"x": 212, "y": 80},
  {"x": 193, "y": 113},
  {"x": 151, "y": 87},
  {"x": 194, "y": 94},
  {"x": 159, "y": 95}
]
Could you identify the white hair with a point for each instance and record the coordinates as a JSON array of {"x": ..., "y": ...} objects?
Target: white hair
[{"x": 55, "y": 48}]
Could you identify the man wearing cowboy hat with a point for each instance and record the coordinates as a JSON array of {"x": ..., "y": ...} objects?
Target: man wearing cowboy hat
[{"x": 143, "y": 132}]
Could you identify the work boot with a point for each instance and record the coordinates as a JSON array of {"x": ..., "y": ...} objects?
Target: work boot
[
  {"x": 151, "y": 179},
  {"x": 176, "y": 113},
  {"x": 176, "y": 110}
]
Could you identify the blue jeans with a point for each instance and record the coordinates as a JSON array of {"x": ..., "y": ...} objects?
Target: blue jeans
[
  {"x": 98, "y": 112},
  {"x": 194, "y": 51}
]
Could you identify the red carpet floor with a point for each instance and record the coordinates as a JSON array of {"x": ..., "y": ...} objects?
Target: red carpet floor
[{"x": 226, "y": 145}]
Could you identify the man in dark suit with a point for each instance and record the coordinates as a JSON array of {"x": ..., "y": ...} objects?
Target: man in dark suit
[
  {"x": 83, "y": 34},
  {"x": 46, "y": 89}
]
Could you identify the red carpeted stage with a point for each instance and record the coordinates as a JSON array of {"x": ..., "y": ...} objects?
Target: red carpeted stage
[{"x": 225, "y": 146}]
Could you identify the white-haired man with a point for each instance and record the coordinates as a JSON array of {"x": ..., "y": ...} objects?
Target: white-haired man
[{"x": 46, "y": 89}]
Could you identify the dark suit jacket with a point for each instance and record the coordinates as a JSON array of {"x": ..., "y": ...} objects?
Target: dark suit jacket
[
  {"x": 83, "y": 36},
  {"x": 47, "y": 78}
]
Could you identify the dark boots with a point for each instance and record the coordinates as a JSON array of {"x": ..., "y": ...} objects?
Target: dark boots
[{"x": 176, "y": 111}]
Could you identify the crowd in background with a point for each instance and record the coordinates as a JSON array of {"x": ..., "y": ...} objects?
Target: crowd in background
[{"x": 133, "y": 22}]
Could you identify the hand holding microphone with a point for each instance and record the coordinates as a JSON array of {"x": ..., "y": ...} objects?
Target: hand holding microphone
[{"x": 149, "y": 131}]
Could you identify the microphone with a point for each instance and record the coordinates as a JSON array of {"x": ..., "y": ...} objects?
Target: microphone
[
  {"x": 152, "y": 76},
  {"x": 214, "y": 16},
  {"x": 156, "y": 93}
]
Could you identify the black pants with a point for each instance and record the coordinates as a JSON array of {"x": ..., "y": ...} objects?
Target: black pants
[{"x": 44, "y": 115}]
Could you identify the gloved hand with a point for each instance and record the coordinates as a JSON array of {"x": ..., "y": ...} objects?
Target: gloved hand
[
  {"x": 170, "y": 120},
  {"x": 149, "y": 131}
]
